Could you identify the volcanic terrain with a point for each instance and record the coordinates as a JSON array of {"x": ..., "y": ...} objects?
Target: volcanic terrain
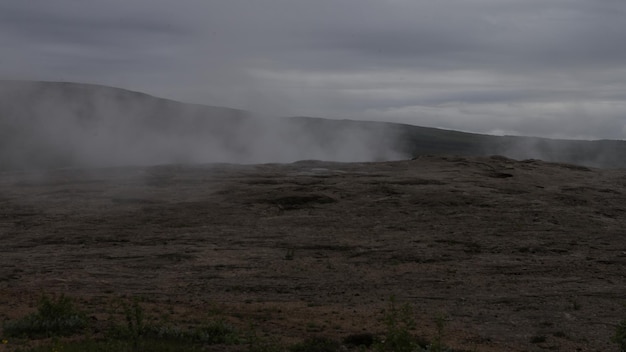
[{"x": 514, "y": 255}]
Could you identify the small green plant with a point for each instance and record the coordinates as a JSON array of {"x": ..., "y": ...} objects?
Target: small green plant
[
  {"x": 216, "y": 332},
  {"x": 620, "y": 335},
  {"x": 399, "y": 322},
  {"x": 134, "y": 328},
  {"x": 290, "y": 254},
  {"x": 316, "y": 344},
  {"x": 437, "y": 344},
  {"x": 138, "y": 330},
  {"x": 134, "y": 315},
  {"x": 53, "y": 318},
  {"x": 258, "y": 343}
]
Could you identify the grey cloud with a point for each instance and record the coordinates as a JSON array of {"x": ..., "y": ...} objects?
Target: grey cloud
[
  {"x": 311, "y": 57},
  {"x": 488, "y": 37},
  {"x": 44, "y": 26}
]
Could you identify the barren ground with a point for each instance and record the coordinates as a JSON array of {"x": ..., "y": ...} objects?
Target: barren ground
[{"x": 507, "y": 251}]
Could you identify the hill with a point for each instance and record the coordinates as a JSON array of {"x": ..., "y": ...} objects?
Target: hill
[{"x": 61, "y": 124}]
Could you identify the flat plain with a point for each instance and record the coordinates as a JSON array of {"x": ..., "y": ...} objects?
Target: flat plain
[{"x": 514, "y": 255}]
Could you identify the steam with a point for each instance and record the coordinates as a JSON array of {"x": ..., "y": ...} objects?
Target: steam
[
  {"x": 45, "y": 124},
  {"x": 597, "y": 153}
]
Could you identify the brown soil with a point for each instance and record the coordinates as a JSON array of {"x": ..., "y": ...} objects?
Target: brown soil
[{"x": 518, "y": 256}]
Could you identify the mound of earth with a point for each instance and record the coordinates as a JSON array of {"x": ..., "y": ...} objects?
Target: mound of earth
[{"x": 516, "y": 255}]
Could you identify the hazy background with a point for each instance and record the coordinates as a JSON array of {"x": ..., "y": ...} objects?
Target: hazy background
[
  {"x": 545, "y": 68},
  {"x": 56, "y": 124}
]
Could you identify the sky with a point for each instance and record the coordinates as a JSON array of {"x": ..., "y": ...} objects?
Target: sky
[{"x": 549, "y": 68}]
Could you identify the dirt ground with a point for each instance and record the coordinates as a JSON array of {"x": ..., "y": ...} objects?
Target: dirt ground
[{"x": 516, "y": 255}]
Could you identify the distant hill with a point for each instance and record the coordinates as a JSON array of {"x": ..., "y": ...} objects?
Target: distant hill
[
  {"x": 415, "y": 140},
  {"x": 61, "y": 124},
  {"x": 598, "y": 153}
]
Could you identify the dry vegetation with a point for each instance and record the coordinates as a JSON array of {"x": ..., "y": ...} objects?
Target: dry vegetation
[{"x": 508, "y": 255}]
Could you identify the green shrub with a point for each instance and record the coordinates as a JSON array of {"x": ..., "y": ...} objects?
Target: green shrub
[
  {"x": 53, "y": 318},
  {"x": 399, "y": 322},
  {"x": 316, "y": 344},
  {"x": 437, "y": 344},
  {"x": 215, "y": 332},
  {"x": 139, "y": 330},
  {"x": 620, "y": 335}
]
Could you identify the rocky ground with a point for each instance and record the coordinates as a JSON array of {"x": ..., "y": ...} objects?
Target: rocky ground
[{"x": 515, "y": 255}]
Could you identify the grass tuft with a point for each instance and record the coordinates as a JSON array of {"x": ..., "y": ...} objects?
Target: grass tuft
[
  {"x": 399, "y": 322},
  {"x": 53, "y": 318}
]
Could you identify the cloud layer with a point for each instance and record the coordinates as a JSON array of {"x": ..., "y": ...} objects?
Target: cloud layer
[{"x": 531, "y": 67}]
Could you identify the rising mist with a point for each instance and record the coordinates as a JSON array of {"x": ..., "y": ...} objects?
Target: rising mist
[{"x": 51, "y": 125}]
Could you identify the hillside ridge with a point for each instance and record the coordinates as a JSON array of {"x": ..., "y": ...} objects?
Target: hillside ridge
[{"x": 46, "y": 124}]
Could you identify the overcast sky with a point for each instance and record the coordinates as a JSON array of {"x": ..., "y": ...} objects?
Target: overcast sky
[{"x": 554, "y": 68}]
